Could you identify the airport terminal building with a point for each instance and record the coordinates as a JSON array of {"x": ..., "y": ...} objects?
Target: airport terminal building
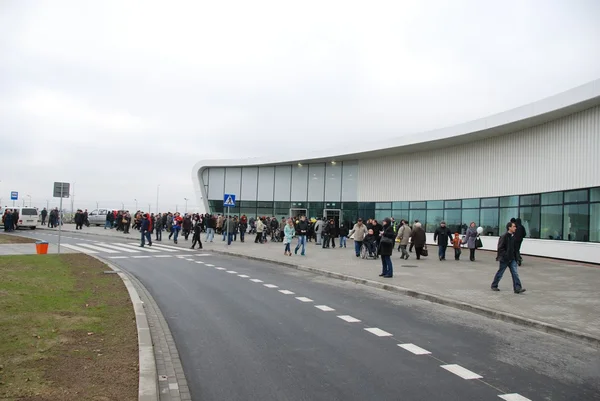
[{"x": 539, "y": 162}]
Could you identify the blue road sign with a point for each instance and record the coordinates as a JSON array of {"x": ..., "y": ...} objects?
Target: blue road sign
[
  {"x": 229, "y": 200},
  {"x": 14, "y": 195}
]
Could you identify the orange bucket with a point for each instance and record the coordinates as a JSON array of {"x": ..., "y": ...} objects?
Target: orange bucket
[{"x": 41, "y": 247}]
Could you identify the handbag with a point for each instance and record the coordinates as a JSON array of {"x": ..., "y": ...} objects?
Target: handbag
[
  {"x": 478, "y": 243},
  {"x": 425, "y": 252}
]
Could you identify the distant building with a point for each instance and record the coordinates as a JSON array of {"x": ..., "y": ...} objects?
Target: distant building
[{"x": 539, "y": 162}]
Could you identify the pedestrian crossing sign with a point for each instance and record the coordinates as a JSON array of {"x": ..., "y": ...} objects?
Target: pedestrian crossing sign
[{"x": 229, "y": 200}]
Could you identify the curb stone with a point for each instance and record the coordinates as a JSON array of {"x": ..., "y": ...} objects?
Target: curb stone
[
  {"x": 480, "y": 310},
  {"x": 148, "y": 379}
]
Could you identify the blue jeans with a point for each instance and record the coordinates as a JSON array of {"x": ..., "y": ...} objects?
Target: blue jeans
[
  {"x": 342, "y": 242},
  {"x": 210, "y": 234},
  {"x": 386, "y": 264},
  {"x": 107, "y": 224},
  {"x": 301, "y": 241},
  {"x": 442, "y": 251},
  {"x": 287, "y": 248},
  {"x": 242, "y": 235},
  {"x": 176, "y": 233},
  {"x": 357, "y": 245},
  {"x": 229, "y": 238},
  {"x": 512, "y": 265},
  {"x": 146, "y": 236}
]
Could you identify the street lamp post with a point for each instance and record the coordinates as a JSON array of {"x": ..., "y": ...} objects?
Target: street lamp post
[
  {"x": 185, "y": 199},
  {"x": 29, "y": 196}
]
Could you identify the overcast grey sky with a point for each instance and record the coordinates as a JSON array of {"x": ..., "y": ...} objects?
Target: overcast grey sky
[{"x": 122, "y": 96}]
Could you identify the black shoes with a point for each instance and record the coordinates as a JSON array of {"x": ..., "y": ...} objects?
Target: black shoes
[
  {"x": 495, "y": 289},
  {"x": 520, "y": 291},
  {"x": 382, "y": 275},
  {"x": 387, "y": 276}
]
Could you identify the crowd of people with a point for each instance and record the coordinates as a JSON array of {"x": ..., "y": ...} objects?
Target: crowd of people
[{"x": 10, "y": 219}]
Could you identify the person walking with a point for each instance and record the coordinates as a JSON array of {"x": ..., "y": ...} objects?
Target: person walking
[
  {"x": 196, "y": 236},
  {"x": 288, "y": 235},
  {"x": 177, "y": 222},
  {"x": 386, "y": 247},
  {"x": 343, "y": 235},
  {"x": 243, "y": 227},
  {"x": 210, "y": 228},
  {"x": 301, "y": 231},
  {"x": 456, "y": 242},
  {"x": 471, "y": 240},
  {"x": 325, "y": 235},
  {"x": 404, "y": 233},
  {"x": 319, "y": 231},
  {"x": 187, "y": 226},
  {"x": 158, "y": 227},
  {"x": 418, "y": 239},
  {"x": 44, "y": 215},
  {"x": 146, "y": 230},
  {"x": 260, "y": 227},
  {"x": 507, "y": 257},
  {"x": 126, "y": 221},
  {"x": 520, "y": 235},
  {"x": 442, "y": 234},
  {"x": 360, "y": 232}
]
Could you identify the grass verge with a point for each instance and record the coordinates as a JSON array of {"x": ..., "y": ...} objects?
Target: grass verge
[
  {"x": 67, "y": 330},
  {"x": 15, "y": 239}
]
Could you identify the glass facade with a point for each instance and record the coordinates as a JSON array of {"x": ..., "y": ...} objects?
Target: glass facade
[{"x": 564, "y": 215}]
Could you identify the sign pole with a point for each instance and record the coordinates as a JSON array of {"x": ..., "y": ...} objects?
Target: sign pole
[
  {"x": 60, "y": 218},
  {"x": 228, "y": 225}
]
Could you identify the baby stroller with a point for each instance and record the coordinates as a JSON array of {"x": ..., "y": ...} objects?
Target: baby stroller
[
  {"x": 276, "y": 235},
  {"x": 368, "y": 250}
]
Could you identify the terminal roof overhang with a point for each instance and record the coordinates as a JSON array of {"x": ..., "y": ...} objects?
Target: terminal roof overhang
[{"x": 536, "y": 113}]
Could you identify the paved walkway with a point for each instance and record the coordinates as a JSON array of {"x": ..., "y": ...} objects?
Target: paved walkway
[
  {"x": 560, "y": 295},
  {"x": 28, "y": 249}
]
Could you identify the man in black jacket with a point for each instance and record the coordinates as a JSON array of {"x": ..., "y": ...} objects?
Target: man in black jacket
[
  {"x": 442, "y": 234},
  {"x": 507, "y": 256},
  {"x": 520, "y": 234},
  {"x": 301, "y": 231}
]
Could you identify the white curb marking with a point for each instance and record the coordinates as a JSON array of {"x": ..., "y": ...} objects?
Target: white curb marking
[
  {"x": 349, "y": 319},
  {"x": 513, "y": 397},
  {"x": 461, "y": 372},
  {"x": 414, "y": 349}
]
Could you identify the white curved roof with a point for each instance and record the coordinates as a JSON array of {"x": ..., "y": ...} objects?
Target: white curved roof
[{"x": 548, "y": 109}]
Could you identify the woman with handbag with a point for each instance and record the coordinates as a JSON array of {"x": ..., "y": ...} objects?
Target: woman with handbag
[
  {"x": 471, "y": 239},
  {"x": 386, "y": 247}
]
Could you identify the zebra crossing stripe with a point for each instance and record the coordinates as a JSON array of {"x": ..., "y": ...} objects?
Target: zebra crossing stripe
[
  {"x": 162, "y": 248},
  {"x": 140, "y": 248},
  {"x": 118, "y": 248},
  {"x": 79, "y": 249},
  {"x": 172, "y": 247},
  {"x": 97, "y": 248}
]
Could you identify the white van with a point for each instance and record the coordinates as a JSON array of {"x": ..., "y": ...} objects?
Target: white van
[{"x": 28, "y": 216}]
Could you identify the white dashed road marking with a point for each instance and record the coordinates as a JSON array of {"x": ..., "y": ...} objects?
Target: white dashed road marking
[
  {"x": 118, "y": 257},
  {"x": 209, "y": 265},
  {"x": 286, "y": 292},
  {"x": 200, "y": 262},
  {"x": 255, "y": 280},
  {"x": 231, "y": 272},
  {"x": 190, "y": 260},
  {"x": 141, "y": 256},
  {"x": 349, "y": 319},
  {"x": 324, "y": 308},
  {"x": 270, "y": 285},
  {"x": 513, "y": 397},
  {"x": 304, "y": 299},
  {"x": 243, "y": 276},
  {"x": 219, "y": 268},
  {"x": 162, "y": 256},
  {"x": 461, "y": 372},
  {"x": 414, "y": 349},
  {"x": 378, "y": 332}
]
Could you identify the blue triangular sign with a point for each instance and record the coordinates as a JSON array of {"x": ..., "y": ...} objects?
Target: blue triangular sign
[{"x": 229, "y": 201}]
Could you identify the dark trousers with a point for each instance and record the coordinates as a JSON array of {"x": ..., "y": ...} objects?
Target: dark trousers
[
  {"x": 386, "y": 265},
  {"x": 242, "y": 234},
  {"x": 442, "y": 251},
  {"x": 457, "y": 253},
  {"x": 258, "y": 238},
  {"x": 325, "y": 240},
  {"x": 512, "y": 265},
  {"x": 196, "y": 239},
  {"x": 43, "y": 221},
  {"x": 418, "y": 251},
  {"x": 158, "y": 233},
  {"x": 472, "y": 254},
  {"x": 146, "y": 237},
  {"x": 126, "y": 228},
  {"x": 518, "y": 249},
  {"x": 186, "y": 234}
]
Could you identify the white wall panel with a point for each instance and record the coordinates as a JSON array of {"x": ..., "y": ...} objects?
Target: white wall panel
[
  {"x": 283, "y": 182},
  {"x": 316, "y": 182},
  {"x": 558, "y": 155},
  {"x": 266, "y": 183},
  {"x": 216, "y": 182},
  {"x": 233, "y": 180},
  {"x": 249, "y": 183},
  {"x": 350, "y": 181},
  {"x": 299, "y": 183}
]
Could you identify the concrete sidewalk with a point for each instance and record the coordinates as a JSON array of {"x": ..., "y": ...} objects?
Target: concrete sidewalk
[{"x": 562, "y": 297}]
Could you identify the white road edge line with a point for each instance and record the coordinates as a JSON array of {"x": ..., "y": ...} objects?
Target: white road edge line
[
  {"x": 304, "y": 299},
  {"x": 414, "y": 349},
  {"x": 513, "y": 397},
  {"x": 349, "y": 318},
  {"x": 324, "y": 308},
  {"x": 287, "y": 292},
  {"x": 461, "y": 372}
]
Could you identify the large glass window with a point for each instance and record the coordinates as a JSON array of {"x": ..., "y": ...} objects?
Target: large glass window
[
  {"x": 509, "y": 201},
  {"x": 576, "y": 196},
  {"x": 435, "y": 204},
  {"x": 381, "y": 214},
  {"x": 489, "y": 202},
  {"x": 506, "y": 214},
  {"x": 417, "y": 215},
  {"x": 595, "y": 222},
  {"x": 366, "y": 210},
  {"x": 575, "y": 222},
  {"x": 453, "y": 204},
  {"x": 470, "y": 203},
  {"x": 489, "y": 221},
  {"x": 552, "y": 198},
  {"x": 399, "y": 205},
  {"x": 434, "y": 218},
  {"x": 530, "y": 219},
  {"x": 530, "y": 200},
  {"x": 595, "y": 194},
  {"x": 400, "y": 214},
  {"x": 551, "y": 222},
  {"x": 468, "y": 216},
  {"x": 453, "y": 219},
  {"x": 383, "y": 205},
  {"x": 418, "y": 205}
]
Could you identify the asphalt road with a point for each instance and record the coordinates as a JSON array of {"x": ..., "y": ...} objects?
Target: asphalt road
[{"x": 242, "y": 340}]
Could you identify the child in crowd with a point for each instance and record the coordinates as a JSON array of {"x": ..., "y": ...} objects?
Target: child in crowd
[{"x": 456, "y": 241}]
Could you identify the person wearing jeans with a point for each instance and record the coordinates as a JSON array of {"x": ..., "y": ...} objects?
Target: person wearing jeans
[
  {"x": 386, "y": 247},
  {"x": 210, "y": 234},
  {"x": 507, "y": 257},
  {"x": 442, "y": 235},
  {"x": 360, "y": 231},
  {"x": 146, "y": 230},
  {"x": 301, "y": 231}
]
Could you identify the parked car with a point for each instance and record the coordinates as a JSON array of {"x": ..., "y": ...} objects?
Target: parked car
[{"x": 98, "y": 216}]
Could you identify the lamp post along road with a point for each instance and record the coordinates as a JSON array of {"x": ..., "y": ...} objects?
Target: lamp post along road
[{"x": 185, "y": 199}]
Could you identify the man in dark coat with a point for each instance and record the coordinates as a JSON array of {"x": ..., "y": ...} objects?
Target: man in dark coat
[
  {"x": 386, "y": 247},
  {"x": 442, "y": 234},
  {"x": 507, "y": 256},
  {"x": 520, "y": 234},
  {"x": 44, "y": 215},
  {"x": 418, "y": 239}
]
